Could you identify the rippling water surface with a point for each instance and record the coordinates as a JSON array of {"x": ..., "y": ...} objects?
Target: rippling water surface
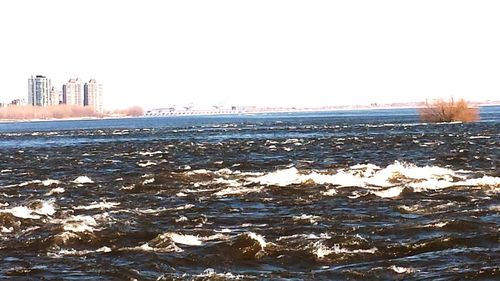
[{"x": 342, "y": 195}]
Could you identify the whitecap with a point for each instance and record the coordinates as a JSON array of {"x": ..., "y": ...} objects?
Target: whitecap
[
  {"x": 484, "y": 181},
  {"x": 438, "y": 224},
  {"x": 280, "y": 178},
  {"x": 210, "y": 273},
  {"x": 181, "y": 219},
  {"x": 66, "y": 236},
  {"x": 83, "y": 180},
  {"x": 199, "y": 171},
  {"x": 183, "y": 239},
  {"x": 48, "y": 182},
  {"x": 80, "y": 224},
  {"x": 104, "y": 249},
  {"x": 7, "y": 230},
  {"x": 56, "y": 190},
  {"x": 148, "y": 181},
  {"x": 389, "y": 193},
  {"x": 401, "y": 270},
  {"x": 233, "y": 183},
  {"x": 184, "y": 207},
  {"x": 47, "y": 208},
  {"x": 258, "y": 238},
  {"x": 237, "y": 190},
  {"x": 147, "y": 248},
  {"x": 311, "y": 218},
  {"x": 146, "y": 164},
  {"x": 29, "y": 182},
  {"x": 22, "y": 212},
  {"x": 100, "y": 205},
  {"x": 321, "y": 251},
  {"x": 329, "y": 192},
  {"x": 147, "y": 153}
]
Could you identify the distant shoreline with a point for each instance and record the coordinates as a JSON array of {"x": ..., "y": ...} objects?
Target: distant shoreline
[
  {"x": 254, "y": 112},
  {"x": 65, "y": 119}
]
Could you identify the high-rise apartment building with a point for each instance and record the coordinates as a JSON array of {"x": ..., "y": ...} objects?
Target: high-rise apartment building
[
  {"x": 73, "y": 92},
  {"x": 39, "y": 91},
  {"x": 55, "y": 96},
  {"x": 93, "y": 95}
]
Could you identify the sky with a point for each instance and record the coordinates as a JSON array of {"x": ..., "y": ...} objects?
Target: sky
[{"x": 262, "y": 53}]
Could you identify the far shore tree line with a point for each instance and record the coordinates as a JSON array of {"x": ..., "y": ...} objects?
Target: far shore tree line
[
  {"x": 438, "y": 110},
  {"x": 62, "y": 111}
]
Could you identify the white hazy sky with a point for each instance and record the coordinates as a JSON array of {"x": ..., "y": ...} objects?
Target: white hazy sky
[{"x": 285, "y": 53}]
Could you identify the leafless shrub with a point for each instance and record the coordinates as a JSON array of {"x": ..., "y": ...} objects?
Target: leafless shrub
[{"x": 441, "y": 110}]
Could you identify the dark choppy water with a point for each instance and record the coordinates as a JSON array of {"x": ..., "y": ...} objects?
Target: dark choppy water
[{"x": 347, "y": 195}]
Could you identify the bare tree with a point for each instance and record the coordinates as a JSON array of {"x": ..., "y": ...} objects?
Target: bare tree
[{"x": 441, "y": 110}]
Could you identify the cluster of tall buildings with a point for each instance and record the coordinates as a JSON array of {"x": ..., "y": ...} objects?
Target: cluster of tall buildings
[{"x": 42, "y": 93}]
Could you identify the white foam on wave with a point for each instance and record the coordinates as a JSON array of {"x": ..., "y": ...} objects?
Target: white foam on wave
[
  {"x": 310, "y": 236},
  {"x": 148, "y": 181},
  {"x": 238, "y": 190},
  {"x": 437, "y": 224},
  {"x": 146, "y": 164},
  {"x": 183, "y": 239},
  {"x": 181, "y": 219},
  {"x": 233, "y": 183},
  {"x": 7, "y": 230},
  {"x": 22, "y": 212},
  {"x": 100, "y": 205},
  {"x": 389, "y": 193},
  {"x": 224, "y": 171},
  {"x": 146, "y": 247},
  {"x": 199, "y": 172},
  {"x": 259, "y": 238},
  {"x": 401, "y": 270},
  {"x": 56, "y": 190},
  {"x": 484, "y": 181},
  {"x": 47, "y": 208},
  {"x": 280, "y": 178},
  {"x": 44, "y": 208},
  {"x": 386, "y": 182},
  {"x": 329, "y": 192},
  {"x": 73, "y": 252},
  {"x": 67, "y": 236},
  {"x": 148, "y": 153},
  {"x": 128, "y": 187},
  {"x": 46, "y": 182},
  {"x": 479, "y": 137},
  {"x": 311, "y": 218},
  {"x": 83, "y": 180},
  {"x": 321, "y": 251},
  {"x": 211, "y": 273},
  {"x": 185, "y": 207},
  {"x": 49, "y": 182},
  {"x": 29, "y": 182},
  {"x": 79, "y": 223}
]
